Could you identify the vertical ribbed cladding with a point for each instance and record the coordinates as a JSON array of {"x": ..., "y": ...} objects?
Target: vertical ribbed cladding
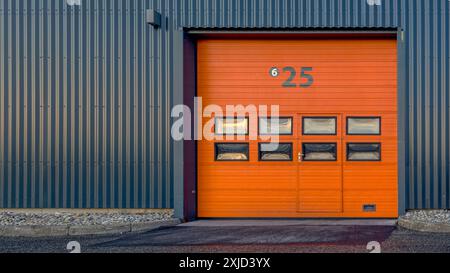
[
  {"x": 85, "y": 100},
  {"x": 427, "y": 41},
  {"x": 444, "y": 71},
  {"x": 2, "y": 105},
  {"x": 288, "y": 13},
  {"x": 86, "y": 93}
]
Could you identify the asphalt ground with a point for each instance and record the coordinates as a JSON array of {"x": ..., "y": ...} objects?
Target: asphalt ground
[{"x": 247, "y": 239}]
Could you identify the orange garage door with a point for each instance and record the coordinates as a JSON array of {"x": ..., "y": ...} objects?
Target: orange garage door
[{"x": 337, "y": 128}]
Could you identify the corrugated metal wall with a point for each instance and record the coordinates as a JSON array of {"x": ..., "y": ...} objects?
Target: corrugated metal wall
[{"x": 85, "y": 93}]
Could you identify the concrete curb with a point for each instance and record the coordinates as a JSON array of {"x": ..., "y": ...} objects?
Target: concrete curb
[
  {"x": 424, "y": 226},
  {"x": 33, "y": 231},
  {"x": 53, "y": 231}
]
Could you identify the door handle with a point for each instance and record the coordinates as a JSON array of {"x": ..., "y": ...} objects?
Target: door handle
[{"x": 300, "y": 157}]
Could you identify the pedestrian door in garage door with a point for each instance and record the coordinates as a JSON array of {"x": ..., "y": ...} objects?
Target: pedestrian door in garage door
[{"x": 319, "y": 160}]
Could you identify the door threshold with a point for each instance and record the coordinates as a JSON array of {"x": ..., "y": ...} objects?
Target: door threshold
[{"x": 289, "y": 222}]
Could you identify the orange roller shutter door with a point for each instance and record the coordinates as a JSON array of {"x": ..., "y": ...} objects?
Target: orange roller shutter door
[{"x": 350, "y": 79}]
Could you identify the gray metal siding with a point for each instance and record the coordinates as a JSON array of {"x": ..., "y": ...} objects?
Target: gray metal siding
[{"x": 86, "y": 93}]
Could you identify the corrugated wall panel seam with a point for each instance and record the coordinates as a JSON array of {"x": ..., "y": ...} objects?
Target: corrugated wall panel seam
[
  {"x": 2, "y": 102},
  {"x": 77, "y": 122}
]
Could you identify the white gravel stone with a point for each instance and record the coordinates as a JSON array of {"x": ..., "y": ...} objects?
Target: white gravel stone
[
  {"x": 429, "y": 216},
  {"x": 10, "y": 218}
]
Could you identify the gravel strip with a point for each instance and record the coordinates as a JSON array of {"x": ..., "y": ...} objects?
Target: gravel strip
[
  {"x": 428, "y": 216},
  {"x": 10, "y": 218}
]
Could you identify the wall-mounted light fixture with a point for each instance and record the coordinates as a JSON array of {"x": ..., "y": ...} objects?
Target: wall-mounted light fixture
[
  {"x": 153, "y": 18},
  {"x": 374, "y": 2}
]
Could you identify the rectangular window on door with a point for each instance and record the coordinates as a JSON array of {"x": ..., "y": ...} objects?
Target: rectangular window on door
[
  {"x": 363, "y": 125},
  {"x": 275, "y": 152},
  {"x": 275, "y": 126},
  {"x": 231, "y": 151},
  {"x": 319, "y": 151},
  {"x": 231, "y": 126},
  {"x": 319, "y": 126},
  {"x": 363, "y": 151}
]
